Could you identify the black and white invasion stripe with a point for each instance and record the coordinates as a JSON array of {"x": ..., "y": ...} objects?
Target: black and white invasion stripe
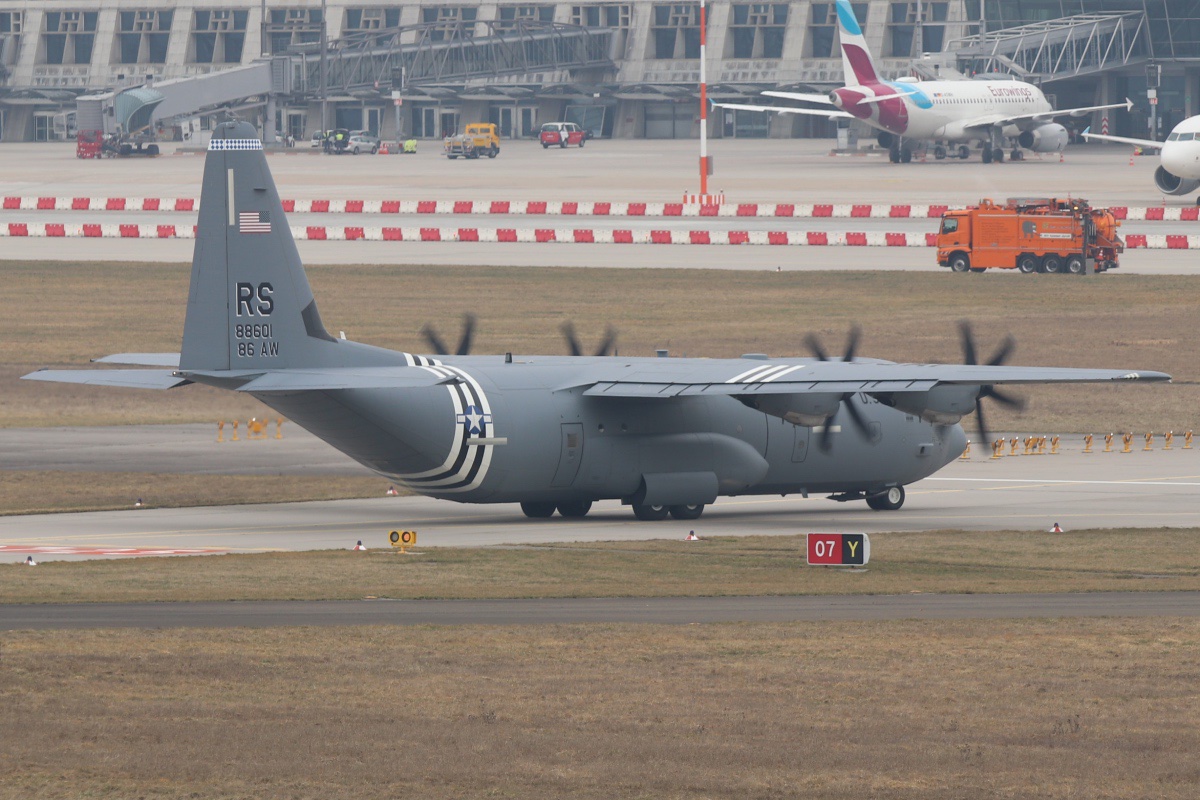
[{"x": 466, "y": 465}]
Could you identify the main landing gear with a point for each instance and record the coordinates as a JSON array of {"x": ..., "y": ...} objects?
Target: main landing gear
[
  {"x": 576, "y": 509},
  {"x": 889, "y": 500}
]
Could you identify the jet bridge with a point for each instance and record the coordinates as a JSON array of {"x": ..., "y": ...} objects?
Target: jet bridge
[
  {"x": 1042, "y": 52},
  {"x": 453, "y": 53}
]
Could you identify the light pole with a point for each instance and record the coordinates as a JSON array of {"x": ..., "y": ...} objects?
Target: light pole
[{"x": 324, "y": 78}]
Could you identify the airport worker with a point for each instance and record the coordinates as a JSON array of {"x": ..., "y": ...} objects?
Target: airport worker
[
  {"x": 29, "y": 562},
  {"x": 359, "y": 546}
]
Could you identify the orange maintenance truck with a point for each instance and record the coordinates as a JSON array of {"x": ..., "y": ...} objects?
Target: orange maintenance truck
[{"x": 1032, "y": 235}]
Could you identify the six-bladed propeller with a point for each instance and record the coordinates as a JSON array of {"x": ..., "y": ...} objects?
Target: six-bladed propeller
[
  {"x": 999, "y": 357},
  {"x": 847, "y": 400},
  {"x": 464, "y": 342},
  {"x": 604, "y": 349}
]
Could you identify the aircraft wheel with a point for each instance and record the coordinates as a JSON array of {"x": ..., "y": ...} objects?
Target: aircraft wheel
[
  {"x": 1016, "y": 155},
  {"x": 960, "y": 262},
  {"x": 894, "y": 154},
  {"x": 575, "y": 508},
  {"x": 538, "y": 510},
  {"x": 650, "y": 513},
  {"x": 1027, "y": 263},
  {"x": 1076, "y": 265},
  {"x": 939, "y": 152},
  {"x": 905, "y": 156},
  {"x": 964, "y": 152},
  {"x": 687, "y": 512},
  {"x": 1052, "y": 264},
  {"x": 986, "y": 154},
  {"x": 891, "y": 500},
  {"x": 998, "y": 155}
]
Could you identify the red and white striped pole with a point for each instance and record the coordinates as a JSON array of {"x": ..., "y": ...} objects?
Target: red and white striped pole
[{"x": 703, "y": 107}]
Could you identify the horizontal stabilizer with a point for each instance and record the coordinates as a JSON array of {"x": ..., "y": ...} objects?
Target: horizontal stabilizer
[
  {"x": 141, "y": 359},
  {"x": 335, "y": 378},
  {"x": 128, "y": 378}
]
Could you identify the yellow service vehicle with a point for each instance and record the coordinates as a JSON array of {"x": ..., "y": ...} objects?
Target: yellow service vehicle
[{"x": 480, "y": 139}]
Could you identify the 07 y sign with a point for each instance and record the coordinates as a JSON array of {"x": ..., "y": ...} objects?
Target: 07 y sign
[{"x": 838, "y": 549}]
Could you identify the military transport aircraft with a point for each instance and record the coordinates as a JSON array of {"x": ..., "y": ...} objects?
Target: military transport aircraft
[
  {"x": 994, "y": 111},
  {"x": 664, "y": 435}
]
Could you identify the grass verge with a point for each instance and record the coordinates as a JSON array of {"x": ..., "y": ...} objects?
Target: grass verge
[{"x": 943, "y": 561}]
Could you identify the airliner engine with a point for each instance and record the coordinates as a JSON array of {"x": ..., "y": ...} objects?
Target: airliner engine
[
  {"x": 1048, "y": 138},
  {"x": 1169, "y": 183}
]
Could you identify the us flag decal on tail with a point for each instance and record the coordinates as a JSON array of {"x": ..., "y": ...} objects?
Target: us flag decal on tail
[{"x": 254, "y": 222}]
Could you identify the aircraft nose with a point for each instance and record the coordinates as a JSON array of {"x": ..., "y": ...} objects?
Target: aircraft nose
[{"x": 1182, "y": 161}]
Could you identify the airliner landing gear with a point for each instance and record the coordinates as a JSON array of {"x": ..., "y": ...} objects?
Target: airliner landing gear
[
  {"x": 998, "y": 154},
  {"x": 939, "y": 152},
  {"x": 987, "y": 155},
  {"x": 1016, "y": 155},
  {"x": 905, "y": 155},
  {"x": 894, "y": 153},
  {"x": 964, "y": 152}
]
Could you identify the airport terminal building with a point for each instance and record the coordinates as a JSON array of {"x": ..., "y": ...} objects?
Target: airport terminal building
[{"x": 423, "y": 68}]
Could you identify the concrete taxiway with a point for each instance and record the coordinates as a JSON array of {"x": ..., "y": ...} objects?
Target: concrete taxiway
[{"x": 748, "y": 171}]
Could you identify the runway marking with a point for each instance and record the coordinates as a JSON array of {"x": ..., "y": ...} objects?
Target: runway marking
[
  {"x": 1049, "y": 481},
  {"x": 70, "y": 550}
]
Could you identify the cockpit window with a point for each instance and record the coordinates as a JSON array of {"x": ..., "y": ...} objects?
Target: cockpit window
[{"x": 949, "y": 225}]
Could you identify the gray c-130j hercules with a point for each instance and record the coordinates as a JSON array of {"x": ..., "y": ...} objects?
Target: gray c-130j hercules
[{"x": 664, "y": 435}]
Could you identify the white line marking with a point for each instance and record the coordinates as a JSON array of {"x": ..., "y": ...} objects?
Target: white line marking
[{"x": 1130, "y": 482}]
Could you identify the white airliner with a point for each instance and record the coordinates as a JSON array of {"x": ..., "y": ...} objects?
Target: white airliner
[
  {"x": 1179, "y": 163},
  {"x": 999, "y": 113}
]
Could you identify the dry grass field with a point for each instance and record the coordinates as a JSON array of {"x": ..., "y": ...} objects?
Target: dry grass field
[
  {"x": 1087, "y": 708},
  {"x": 935, "y": 562},
  {"x": 64, "y": 314}
]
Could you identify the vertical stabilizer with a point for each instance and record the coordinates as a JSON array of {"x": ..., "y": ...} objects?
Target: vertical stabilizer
[
  {"x": 250, "y": 305},
  {"x": 857, "y": 65}
]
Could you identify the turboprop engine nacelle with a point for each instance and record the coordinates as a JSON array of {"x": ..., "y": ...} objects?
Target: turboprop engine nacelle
[
  {"x": 1169, "y": 183},
  {"x": 942, "y": 405},
  {"x": 798, "y": 409},
  {"x": 1048, "y": 138}
]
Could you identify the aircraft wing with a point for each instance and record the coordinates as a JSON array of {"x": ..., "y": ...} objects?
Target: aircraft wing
[
  {"x": 819, "y": 99},
  {"x": 128, "y": 378},
  {"x": 815, "y": 112},
  {"x": 1041, "y": 116},
  {"x": 1149, "y": 143},
  {"x": 827, "y": 377},
  {"x": 141, "y": 359}
]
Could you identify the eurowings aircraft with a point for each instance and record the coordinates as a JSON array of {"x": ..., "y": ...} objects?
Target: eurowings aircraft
[
  {"x": 666, "y": 436},
  {"x": 998, "y": 113},
  {"x": 1178, "y": 169}
]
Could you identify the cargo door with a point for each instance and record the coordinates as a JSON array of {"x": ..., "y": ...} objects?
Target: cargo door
[{"x": 570, "y": 454}]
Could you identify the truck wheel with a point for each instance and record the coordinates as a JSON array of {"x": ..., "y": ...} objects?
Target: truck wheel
[
  {"x": 1027, "y": 263},
  {"x": 891, "y": 500},
  {"x": 451, "y": 157},
  {"x": 545, "y": 146},
  {"x": 581, "y": 141},
  {"x": 960, "y": 262},
  {"x": 1076, "y": 265},
  {"x": 495, "y": 151},
  {"x": 979, "y": 270},
  {"x": 1052, "y": 264}
]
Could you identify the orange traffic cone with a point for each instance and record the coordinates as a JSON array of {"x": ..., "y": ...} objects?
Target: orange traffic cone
[
  {"x": 383, "y": 149},
  {"x": 1056, "y": 529}
]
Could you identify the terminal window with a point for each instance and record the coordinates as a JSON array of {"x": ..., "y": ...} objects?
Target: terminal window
[
  {"x": 676, "y": 31},
  {"x": 510, "y": 14},
  {"x": 758, "y": 30},
  {"x": 68, "y": 37},
  {"x": 144, "y": 36},
  {"x": 822, "y": 31},
  {"x": 218, "y": 36},
  {"x": 902, "y": 26},
  {"x": 289, "y": 26},
  {"x": 450, "y": 22}
]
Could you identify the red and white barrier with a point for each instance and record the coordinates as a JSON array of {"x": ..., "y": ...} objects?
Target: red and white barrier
[{"x": 563, "y": 208}]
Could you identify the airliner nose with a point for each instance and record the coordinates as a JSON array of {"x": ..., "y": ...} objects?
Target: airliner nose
[{"x": 1182, "y": 160}]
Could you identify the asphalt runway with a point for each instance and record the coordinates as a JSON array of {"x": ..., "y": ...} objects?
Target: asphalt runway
[
  {"x": 571, "y": 611},
  {"x": 1075, "y": 489},
  {"x": 748, "y": 171}
]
